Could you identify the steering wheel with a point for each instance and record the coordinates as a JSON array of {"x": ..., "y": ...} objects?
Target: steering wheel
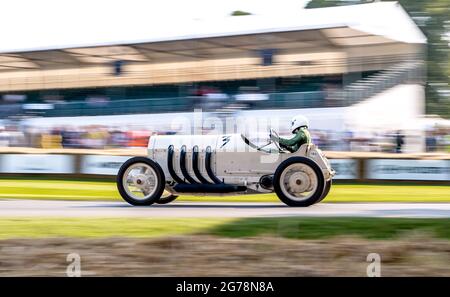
[{"x": 273, "y": 132}]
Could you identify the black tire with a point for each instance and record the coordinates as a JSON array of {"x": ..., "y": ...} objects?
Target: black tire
[
  {"x": 161, "y": 179},
  {"x": 328, "y": 184},
  {"x": 320, "y": 182},
  {"x": 167, "y": 199}
]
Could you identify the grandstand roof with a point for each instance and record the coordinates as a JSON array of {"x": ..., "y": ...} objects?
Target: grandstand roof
[{"x": 136, "y": 41}]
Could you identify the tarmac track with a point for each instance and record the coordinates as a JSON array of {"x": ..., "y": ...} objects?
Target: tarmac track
[{"x": 44, "y": 208}]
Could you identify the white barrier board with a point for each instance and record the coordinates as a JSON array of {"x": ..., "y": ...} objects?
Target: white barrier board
[
  {"x": 31, "y": 163},
  {"x": 408, "y": 169},
  {"x": 99, "y": 164},
  {"x": 345, "y": 168}
]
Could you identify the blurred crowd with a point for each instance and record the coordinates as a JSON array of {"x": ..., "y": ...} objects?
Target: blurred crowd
[
  {"x": 103, "y": 137},
  {"x": 88, "y": 137},
  {"x": 437, "y": 140}
]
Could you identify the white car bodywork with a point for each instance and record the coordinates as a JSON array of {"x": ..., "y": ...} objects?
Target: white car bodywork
[{"x": 232, "y": 160}]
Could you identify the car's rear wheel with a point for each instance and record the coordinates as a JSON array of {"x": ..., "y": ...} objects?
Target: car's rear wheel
[
  {"x": 166, "y": 197},
  {"x": 140, "y": 181},
  {"x": 299, "y": 181}
]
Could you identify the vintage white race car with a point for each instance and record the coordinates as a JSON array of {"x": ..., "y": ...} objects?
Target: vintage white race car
[{"x": 224, "y": 164}]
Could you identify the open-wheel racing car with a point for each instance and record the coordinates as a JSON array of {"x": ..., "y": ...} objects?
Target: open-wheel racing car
[{"x": 224, "y": 164}]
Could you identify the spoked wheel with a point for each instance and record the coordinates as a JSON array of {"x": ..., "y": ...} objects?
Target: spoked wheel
[
  {"x": 299, "y": 181},
  {"x": 140, "y": 181},
  {"x": 166, "y": 197}
]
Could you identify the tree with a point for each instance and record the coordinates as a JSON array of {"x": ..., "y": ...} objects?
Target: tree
[
  {"x": 433, "y": 19},
  {"x": 239, "y": 13}
]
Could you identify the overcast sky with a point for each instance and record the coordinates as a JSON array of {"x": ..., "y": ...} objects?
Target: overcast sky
[
  {"x": 48, "y": 24},
  {"x": 30, "y": 24},
  {"x": 44, "y": 10}
]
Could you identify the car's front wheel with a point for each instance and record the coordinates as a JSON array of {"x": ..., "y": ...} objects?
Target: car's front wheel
[
  {"x": 140, "y": 181},
  {"x": 299, "y": 181},
  {"x": 326, "y": 190}
]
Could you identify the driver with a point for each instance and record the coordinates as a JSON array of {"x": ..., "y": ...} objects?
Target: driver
[{"x": 299, "y": 127}]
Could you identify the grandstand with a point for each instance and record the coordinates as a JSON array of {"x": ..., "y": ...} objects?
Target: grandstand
[{"x": 329, "y": 58}]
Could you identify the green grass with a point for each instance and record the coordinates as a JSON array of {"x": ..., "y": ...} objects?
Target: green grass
[
  {"x": 101, "y": 227},
  {"x": 296, "y": 228},
  {"x": 106, "y": 190},
  {"x": 316, "y": 228},
  {"x": 58, "y": 189}
]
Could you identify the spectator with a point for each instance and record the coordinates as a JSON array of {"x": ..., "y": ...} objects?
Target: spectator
[{"x": 399, "y": 141}]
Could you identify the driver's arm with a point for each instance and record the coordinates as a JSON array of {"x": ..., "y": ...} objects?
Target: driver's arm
[
  {"x": 293, "y": 143},
  {"x": 298, "y": 138}
]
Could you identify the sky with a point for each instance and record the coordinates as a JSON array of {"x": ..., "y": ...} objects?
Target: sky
[
  {"x": 45, "y": 10},
  {"x": 28, "y": 23},
  {"x": 43, "y": 24}
]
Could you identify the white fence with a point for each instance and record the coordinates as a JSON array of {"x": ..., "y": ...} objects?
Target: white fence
[
  {"x": 408, "y": 169},
  {"x": 346, "y": 169}
]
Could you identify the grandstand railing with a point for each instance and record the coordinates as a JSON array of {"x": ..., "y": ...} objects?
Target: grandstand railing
[
  {"x": 405, "y": 69},
  {"x": 177, "y": 104},
  {"x": 401, "y": 73}
]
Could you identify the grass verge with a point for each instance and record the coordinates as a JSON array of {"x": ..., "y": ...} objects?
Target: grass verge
[
  {"x": 291, "y": 227},
  {"x": 316, "y": 228},
  {"x": 102, "y": 227},
  {"x": 106, "y": 190}
]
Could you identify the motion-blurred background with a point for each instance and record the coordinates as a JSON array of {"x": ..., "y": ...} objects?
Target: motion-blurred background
[
  {"x": 371, "y": 77},
  {"x": 84, "y": 84}
]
